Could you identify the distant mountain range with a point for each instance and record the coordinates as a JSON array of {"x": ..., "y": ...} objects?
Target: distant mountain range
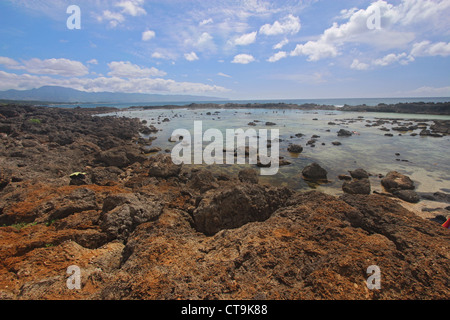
[{"x": 67, "y": 95}]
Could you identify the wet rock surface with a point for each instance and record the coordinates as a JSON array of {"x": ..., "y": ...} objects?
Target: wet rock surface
[{"x": 149, "y": 229}]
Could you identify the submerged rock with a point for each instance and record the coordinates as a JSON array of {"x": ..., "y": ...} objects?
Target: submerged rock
[
  {"x": 295, "y": 148},
  {"x": 344, "y": 133}
]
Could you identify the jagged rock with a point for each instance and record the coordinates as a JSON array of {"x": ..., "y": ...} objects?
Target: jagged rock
[
  {"x": 359, "y": 186},
  {"x": 237, "y": 205},
  {"x": 105, "y": 175},
  {"x": 202, "y": 181},
  {"x": 359, "y": 174},
  {"x": 394, "y": 181},
  {"x": 162, "y": 166},
  {"x": 121, "y": 213},
  {"x": 314, "y": 172},
  {"x": 121, "y": 156},
  {"x": 248, "y": 176},
  {"x": 408, "y": 195}
]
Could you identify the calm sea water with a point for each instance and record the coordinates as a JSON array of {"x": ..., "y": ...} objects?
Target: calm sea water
[
  {"x": 424, "y": 159},
  {"x": 332, "y": 102}
]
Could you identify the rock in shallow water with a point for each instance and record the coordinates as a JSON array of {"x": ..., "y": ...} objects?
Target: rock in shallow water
[{"x": 314, "y": 172}]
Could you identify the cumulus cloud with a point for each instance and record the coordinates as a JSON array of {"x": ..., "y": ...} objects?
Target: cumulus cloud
[
  {"x": 106, "y": 84},
  {"x": 132, "y": 8},
  {"x": 391, "y": 58},
  {"x": 243, "y": 58},
  {"x": 288, "y": 25},
  {"x": 192, "y": 56},
  {"x": 246, "y": 39},
  {"x": 277, "y": 56},
  {"x": 9, "y": 63},
  {"x": 315, "y": 50},
  {"x": 114, "y": 18},
  {"x": 148, "y": 35},
  {"x": 125, "y": 69},
  {"x": 357, "y": 65},
  {"x": 398, "y": 29},
  {"x": 426, "y": 48},
  {"x": 281, "y": 44},
  {"x": 59, "y": 67}
]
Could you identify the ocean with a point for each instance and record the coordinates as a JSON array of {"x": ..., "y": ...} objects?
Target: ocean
[{"x": 424, "y": 159}]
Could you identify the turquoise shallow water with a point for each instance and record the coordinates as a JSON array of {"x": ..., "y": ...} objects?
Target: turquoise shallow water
[{"x": 424, "y": 159}]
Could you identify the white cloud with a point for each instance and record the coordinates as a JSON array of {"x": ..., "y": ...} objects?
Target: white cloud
[
  {"x": 357, "y": 65},
  {"x": 204, "y": 38},
  {"x": 148, "y": 35},
  {"x": 315, "y": 50},
  {"x": 427, "y": 91},
  {"x": 391, "y": 58},
  {"x": 9, "y": 63},
  {"x": 246, "y": 39},
  {"x": 129, "y": 7},
  {"x": 114, "y": 18},
  {"x": 281, "y": 44},
  {"x": 277, "y": 56},
  {"x": 206, "y": 21},
  {"x": 158, "y": 55},
  {"x": 224, "y": 75},
  {"x": 92, "y": 61},
  {"x": 191, "y": 56},
  {"x": 399, "y": 27},
  {"x": 132, "y": 7},
  {"x": 243, "y": 59},
  {"x": 125, "y": 69},
  {"x": 106, "y": 84},
  {"x": 61, "y": 67},
  {"x": 288, "y": 25},
  {"x": 426, "y": 48}
]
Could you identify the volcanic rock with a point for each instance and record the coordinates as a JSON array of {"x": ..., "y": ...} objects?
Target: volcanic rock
[{"x": 314, "y": 172}]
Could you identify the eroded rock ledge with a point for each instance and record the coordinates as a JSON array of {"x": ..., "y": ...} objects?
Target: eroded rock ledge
[{"x": 148, "y": 229}]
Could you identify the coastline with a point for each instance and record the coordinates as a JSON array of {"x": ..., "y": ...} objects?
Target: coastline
[
  {"x": 439, "y": 108},
  {"x": 144, "y": 228}
]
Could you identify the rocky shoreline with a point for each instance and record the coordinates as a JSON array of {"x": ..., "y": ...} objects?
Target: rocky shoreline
[
  {"x": 80, "y": 190},
  {"x": 440, "y": 108}
]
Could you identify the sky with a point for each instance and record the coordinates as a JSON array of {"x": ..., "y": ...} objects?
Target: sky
[{"x": 237, "y": 49}]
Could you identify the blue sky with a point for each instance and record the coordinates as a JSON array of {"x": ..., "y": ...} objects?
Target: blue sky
[{"x": 246, "y": 49}]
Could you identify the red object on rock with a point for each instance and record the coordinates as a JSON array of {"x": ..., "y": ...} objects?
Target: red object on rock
[{"x": 447, "y": 224}]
